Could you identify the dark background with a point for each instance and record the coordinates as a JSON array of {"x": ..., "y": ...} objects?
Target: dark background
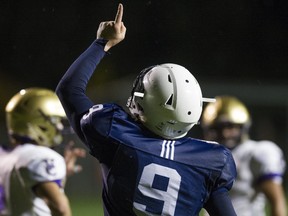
[
  {"x": 243, "y": 40},
  {"x": 235, "y": 47}
]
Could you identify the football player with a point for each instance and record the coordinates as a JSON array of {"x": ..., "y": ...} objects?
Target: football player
[
  {"x": 148, "y": 165},
  {"x": 260, "y": 164},
  {"x": 31, "y": 173}
]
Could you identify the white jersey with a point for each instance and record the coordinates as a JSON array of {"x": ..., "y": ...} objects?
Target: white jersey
[
  {"x": 22, "y": 169},
  {"x": 255, "y": 161}
]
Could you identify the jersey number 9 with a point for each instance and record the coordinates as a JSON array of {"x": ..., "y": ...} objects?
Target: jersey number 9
[{"x": 168, "y": 195}]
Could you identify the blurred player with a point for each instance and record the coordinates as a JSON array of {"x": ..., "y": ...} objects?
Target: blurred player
[
  {"x": 148, "y": 165},
  {"x": 260, "y": 164},
  {"x": 71, "y": 155},
  {"x": 31, "y": 173}
]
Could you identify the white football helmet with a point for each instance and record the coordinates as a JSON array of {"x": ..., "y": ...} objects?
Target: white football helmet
[{"x": 167, "y": 99}]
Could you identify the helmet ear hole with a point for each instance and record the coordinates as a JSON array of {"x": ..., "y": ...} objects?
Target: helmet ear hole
[{"x": 169, "y": 78}]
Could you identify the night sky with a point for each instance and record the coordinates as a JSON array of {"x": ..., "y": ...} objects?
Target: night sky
[{"x": 242, "y": 40}]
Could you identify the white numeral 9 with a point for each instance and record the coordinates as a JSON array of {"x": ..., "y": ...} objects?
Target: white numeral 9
[{"x": 169, "y": 196}]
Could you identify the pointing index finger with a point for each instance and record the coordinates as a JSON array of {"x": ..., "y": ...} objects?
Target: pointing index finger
[{"x": 119, "y": 15}]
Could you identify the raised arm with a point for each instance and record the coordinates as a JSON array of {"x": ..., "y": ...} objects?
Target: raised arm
[{"x": 72, "y": 87}]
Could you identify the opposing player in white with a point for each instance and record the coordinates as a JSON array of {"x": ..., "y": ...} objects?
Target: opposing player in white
[
  {"x": 31, "y": 173},
  {"x": 260, "y": 164}
]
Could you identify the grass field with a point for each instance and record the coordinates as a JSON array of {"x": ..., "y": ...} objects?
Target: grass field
[
  {"x": 93, "y": 207},
  {"x": 86, "y": 207}
]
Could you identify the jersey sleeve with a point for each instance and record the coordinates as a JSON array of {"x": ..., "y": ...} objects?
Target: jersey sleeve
[
  {"x": 72, "y": 87},
  {"x": 219, "y": 202},
  {"x": 46, "y": 167},
  {"x": 96, "y": 126},
  {"x": 228, "y": 174},
  {"x": 268, "y": 161}
]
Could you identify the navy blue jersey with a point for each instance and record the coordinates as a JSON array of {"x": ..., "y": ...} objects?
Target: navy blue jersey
[
  {"x": 144, "y": 174},
  {"x": 149, "y": 173}
]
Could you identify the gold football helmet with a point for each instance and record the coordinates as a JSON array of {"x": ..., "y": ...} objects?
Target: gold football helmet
[
  {"x": 226, "y": 109},
  {"x": 35, "y": 115}
]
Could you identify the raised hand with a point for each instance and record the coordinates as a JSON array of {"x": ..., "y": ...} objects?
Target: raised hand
[{"x": 113, "y": 31}]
